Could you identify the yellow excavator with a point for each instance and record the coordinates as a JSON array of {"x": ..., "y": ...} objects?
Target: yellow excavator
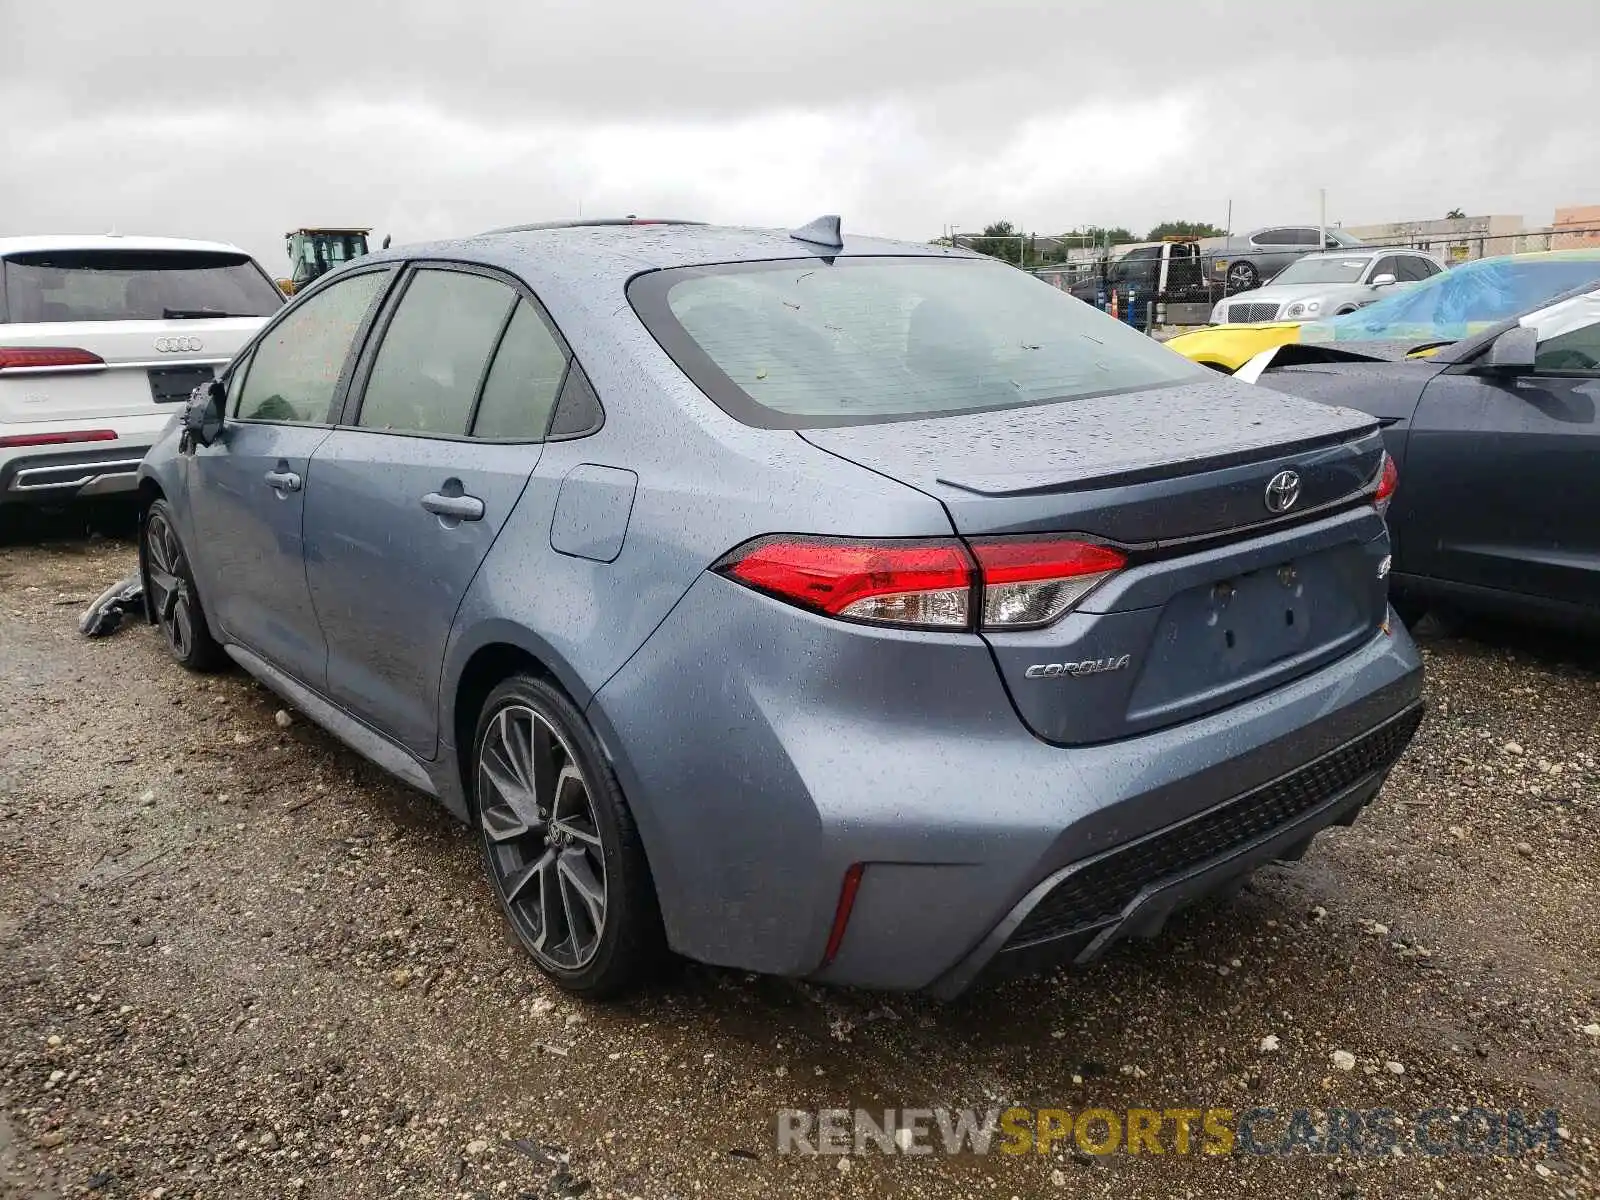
[{"x": 315, "y": 252}]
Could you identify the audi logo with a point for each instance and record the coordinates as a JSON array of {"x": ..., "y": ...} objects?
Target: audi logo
[{"x": 178, "y": 345}]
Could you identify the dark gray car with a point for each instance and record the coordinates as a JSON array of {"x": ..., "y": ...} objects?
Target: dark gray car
[
  {"x": 1496, "y": 435},
  {"x": 838, "y": 608},
  {"x": 1245, "y": 260}
]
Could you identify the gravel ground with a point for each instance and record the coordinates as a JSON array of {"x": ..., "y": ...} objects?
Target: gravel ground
[{"x": 237, "y": 961}]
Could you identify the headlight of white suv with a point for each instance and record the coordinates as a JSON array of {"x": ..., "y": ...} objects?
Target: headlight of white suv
[{"x": 1303, "y": 308}]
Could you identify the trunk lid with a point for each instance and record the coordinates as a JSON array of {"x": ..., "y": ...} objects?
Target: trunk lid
[
  {"x": 1222, "y": 598},
  {"x": 1158, "y": 465},
  {"x": 148, "y": 366}
]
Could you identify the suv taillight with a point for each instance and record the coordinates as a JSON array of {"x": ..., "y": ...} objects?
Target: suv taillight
[
  {"x": 928, "y": 583},
  {"x": 47, "y": 357},
  {"x": 1388, "y": 480}
]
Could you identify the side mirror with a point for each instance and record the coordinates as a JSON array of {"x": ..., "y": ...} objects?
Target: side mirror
[
  {"x": 1512, "y": 351},
  {"x": 202, "y": 415},
  {"x": 1383, "y": 280}
]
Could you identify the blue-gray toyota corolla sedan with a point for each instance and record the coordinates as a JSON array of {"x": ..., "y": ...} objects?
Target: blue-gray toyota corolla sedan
[{"x": 818, "y": 605}]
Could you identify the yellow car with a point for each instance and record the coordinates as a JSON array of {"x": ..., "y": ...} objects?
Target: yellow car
[
  {"x": 1432, "y": 313},
  {"x": 1229, "y": 347}
]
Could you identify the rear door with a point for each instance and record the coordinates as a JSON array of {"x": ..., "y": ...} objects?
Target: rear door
[
  {"x": 1501, "y": 485},
  {"x": 247, "y": 489},
  {"x": 140, "y": 329},
  {"x": 437, "y": 443}
]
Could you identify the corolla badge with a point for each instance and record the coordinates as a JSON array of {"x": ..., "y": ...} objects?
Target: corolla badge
[
  {"x": 1283, "y": 489},
  {"x": 1089, "y": 666}
]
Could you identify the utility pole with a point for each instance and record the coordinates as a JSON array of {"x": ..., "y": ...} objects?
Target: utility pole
[{"x": 1322, "y": 217}]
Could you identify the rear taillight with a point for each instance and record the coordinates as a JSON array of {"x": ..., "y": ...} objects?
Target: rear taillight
[
  {"x": 1029, "y": 582},
  {"x": 47, "y": 357},
  {"x": 61, "y": 438},
  {"x": 923, "y": 584},
  {"x": 940, "y": 583},
  {"x": 1388, "y": 480}
]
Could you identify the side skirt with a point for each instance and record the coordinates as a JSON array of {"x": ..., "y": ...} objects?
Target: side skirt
[{"x": 363, "y": 739}]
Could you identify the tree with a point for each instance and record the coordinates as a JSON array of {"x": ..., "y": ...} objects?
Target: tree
[
  {"x": 999, "y": 240},
  {"x": 1455, "y": 214},
  {"x": 1199, "y": 229}
]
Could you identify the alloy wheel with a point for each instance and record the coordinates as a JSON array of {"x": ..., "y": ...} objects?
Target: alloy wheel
[
  {"x": 543, "y": 842},
  {"x": 170, "y": 597}
]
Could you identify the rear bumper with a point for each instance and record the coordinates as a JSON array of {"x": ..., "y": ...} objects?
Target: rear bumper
[
  {"x": 53, "y": 474},
  {"x": 1077, "y": 913},
  {"x": 67, "y": 474},
  {"x": 765, "y": 751}
]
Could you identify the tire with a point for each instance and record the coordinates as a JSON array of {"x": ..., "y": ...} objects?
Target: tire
[
  {"x": 1242, "y": 276},
  {"x": 171, "y": 596},
  {"x": 550, "y": 819}
]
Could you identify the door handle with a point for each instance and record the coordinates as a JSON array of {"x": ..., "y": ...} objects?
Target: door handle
[
  {"x": 283, "y": 481},
  {"x": 453, "y": 508}
]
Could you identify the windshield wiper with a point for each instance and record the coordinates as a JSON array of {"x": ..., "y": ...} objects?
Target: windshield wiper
[{"x": 179, "y": 314}]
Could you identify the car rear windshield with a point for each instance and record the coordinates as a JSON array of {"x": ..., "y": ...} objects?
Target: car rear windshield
[
  {"x": 804, "y": 343},
  {"x": 1323, "y": 270},
  {"x": 135, "y": 285}
]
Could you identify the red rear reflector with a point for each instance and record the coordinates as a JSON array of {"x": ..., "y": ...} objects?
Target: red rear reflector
[
  {"x": 841, "y": 915},
  {"x": 1029, "y": 582},
  {"x": 56, "y": 439},
  {"x": 924, "y": 584},
  {"x": 1388, "y": 480},
  {"x": 47, "y": 356}
]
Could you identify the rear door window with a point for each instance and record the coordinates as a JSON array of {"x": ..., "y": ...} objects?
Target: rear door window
[
  {"x": 295, "y": 368},
  {"x": 1414, "y": 269},
  {"x": 135, "y": 285},
  {"x": 524, "y": 381},
  {"x": 435, "y": 352}
]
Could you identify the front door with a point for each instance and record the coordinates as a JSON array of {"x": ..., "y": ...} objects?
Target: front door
[
  {"x": 1501, "y": 468},
  {"x": 248, "y": 489},
  {"x": 439, "y": 439}
]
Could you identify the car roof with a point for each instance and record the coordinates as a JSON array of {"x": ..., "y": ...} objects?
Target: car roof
[
  {"x": 604, "y": 254},
  {"x": 107, "y": 241}
]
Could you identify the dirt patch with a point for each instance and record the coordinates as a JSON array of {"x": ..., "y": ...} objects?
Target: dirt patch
[{"x": 237, "y": 961}]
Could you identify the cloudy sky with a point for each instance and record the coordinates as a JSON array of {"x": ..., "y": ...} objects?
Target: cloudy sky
[{"x": 239, "y": 120}]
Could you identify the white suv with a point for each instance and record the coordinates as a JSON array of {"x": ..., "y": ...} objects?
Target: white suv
[{"x": 101, "y": 341}]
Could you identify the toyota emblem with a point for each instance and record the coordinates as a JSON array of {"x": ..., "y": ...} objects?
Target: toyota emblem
[
  {"x": 1283, "y": 489},
  {"x": 178, "y": 345}
]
